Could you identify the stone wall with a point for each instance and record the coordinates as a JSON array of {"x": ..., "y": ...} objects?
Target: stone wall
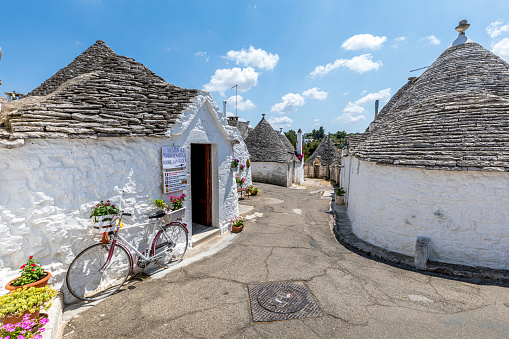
[
  {"x": 463, "y": 213},
  {"x": 49, "y": 186}
]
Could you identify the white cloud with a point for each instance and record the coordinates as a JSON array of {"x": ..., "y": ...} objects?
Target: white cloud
[
  {"x": 399, "y": 40},
  {"x": 314, "y": 93},
  {"x": 224, "y": 79},
  {"x": 496, "y": 28},
  {"x": 202, "y": 54},
  {"x": 432, "y": 40},
  {"x": 316, "y": 120},
  {"x": 77, "y": 43},
  {"x": 361, "y": 64},
  {"x": 354, "y": 111},
  {"x": 361, "y": 41},
  {"x": 278, "y": 122},
  {"x": 241, "y": 104},
  {"x": 253, "y": 57},
  {"x": 291, "y": 102},
  {"x": 384, "y": 94},
  {"x": 501, "y": 49}
]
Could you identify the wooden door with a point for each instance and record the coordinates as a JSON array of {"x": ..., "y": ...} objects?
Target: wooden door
[{"x": 201, "y": 183}]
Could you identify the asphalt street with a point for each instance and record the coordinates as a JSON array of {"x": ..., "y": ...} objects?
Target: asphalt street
[{"x": 288, "y": 238}]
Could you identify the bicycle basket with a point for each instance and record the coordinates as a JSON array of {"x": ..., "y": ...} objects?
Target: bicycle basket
[
  {"x": 103, "y": 222},
  {"x": 175, "y": 216}
]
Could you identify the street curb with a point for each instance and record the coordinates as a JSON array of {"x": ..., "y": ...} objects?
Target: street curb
[
  {"x": 53, "y": 329},
  {"x": 472, "y": 274}
]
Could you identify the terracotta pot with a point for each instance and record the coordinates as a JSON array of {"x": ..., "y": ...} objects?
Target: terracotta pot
[
  {"x": 39, "y": 283},
  {"x": 12, "y": 319},
  {"x": 236, "y": 229}
]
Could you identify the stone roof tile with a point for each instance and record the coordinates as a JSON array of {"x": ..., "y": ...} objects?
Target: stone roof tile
[
  {"x": 100, "y": 93},
  {"x": 454, "y": 116},
  {"x": 264, "y": 144}
]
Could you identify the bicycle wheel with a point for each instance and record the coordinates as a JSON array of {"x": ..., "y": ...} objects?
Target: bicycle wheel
[
  {"x": 170, "y": 245},
  {"x": 91, "y": 277}
]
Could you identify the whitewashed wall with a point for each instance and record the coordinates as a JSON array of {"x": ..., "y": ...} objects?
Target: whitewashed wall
[
  {"x": 271, "y": 172},
  {"x": 49, "y": 186},
  {"x": 464, "y": 213}
]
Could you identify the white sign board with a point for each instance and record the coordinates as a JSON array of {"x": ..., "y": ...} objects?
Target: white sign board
[
  {"x": 173, "y": 157},
  {"x": 174, "y": 181}
]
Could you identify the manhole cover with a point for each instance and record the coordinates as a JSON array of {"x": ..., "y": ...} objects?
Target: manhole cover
[{"x": 281, "y": 301}]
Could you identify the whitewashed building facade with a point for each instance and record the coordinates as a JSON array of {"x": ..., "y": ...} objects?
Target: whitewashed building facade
[
  {"x": 94, "y": 131},
  {"x": 436, "y": 164}
]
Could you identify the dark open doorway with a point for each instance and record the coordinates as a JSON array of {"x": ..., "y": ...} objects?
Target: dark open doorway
[{"x": 201, "y": 184}]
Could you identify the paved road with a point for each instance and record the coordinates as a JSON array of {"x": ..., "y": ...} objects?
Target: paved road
[{"x": 288, "y": 237}]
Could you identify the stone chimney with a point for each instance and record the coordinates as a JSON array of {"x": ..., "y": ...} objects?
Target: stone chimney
[
  {"x": 376, "y": 109},
  {"x": 224, "y": 108},
  {"x": 233, "y": 121},
  {"x": 299, "y": 141}
]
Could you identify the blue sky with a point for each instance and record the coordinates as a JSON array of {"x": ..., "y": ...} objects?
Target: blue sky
[{"x": 304, "y": 63}]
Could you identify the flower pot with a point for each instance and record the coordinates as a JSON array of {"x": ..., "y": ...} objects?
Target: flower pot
[
  {"x": 13, "y": 319},
  {"x": 340, "y": 200},
  {"x": 236, "y": 229},
  {"x": 39, "y": 283}
]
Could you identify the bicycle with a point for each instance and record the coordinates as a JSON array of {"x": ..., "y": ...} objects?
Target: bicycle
[{"x": 101, "y": 269}]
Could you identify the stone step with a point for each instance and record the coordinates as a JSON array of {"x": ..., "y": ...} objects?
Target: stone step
[{"x": 204, "y": 236}]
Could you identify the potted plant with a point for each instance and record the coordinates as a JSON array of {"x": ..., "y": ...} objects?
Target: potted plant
[
  {"x": 237, "y": 224},
  {"x": 25, "y": 301},
  {"x": 24, "y": 329},
  {"x": 340, "y": 199},
  {"x": 253, "y": 190},
  {"x": 103, "y": 212},
  {"x": 240, "y": 181},
  {"x": 242, "y": 167},
  {"x": 32, "y": 274},
  {"x": 175, "y": 211},
  {"x": 248, "y": 163},
  {"x": 235, "y": 164}
]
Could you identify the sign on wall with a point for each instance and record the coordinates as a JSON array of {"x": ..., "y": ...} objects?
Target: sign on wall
[
  {"x": 173, "y": 157},
  {"x": 174, "y": 181}
]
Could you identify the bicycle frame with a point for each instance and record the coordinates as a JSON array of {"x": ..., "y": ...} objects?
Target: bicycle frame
[{"x": 121, "y": 241}]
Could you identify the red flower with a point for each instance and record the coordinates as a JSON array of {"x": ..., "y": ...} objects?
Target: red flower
[
  {"x": 33, "y": 265},
  {"x": 22, "y": 266},
  {"x": 30, "y": 257},
  {"x": 33, "y": 270}
]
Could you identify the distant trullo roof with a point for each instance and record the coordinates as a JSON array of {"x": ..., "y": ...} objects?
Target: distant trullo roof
[
  {"x": 454, "y": 116},
  {"x": 326, "y": 150},
  {"x": 100, "y": 93},
  {"x": 265, "y": 145}
]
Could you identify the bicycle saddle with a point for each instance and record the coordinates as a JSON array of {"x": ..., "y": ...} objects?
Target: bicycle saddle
[{"x": 159, "y": 214}]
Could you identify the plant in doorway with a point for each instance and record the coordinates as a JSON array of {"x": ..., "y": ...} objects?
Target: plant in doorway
[
  {"x": 237, "y": 224},
  {"x": 253, "y": 190}
]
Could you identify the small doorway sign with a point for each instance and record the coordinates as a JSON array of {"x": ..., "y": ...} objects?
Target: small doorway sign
[
  {"x": 173, "y": 157},
  {"x": 174, "y": 169},
  {"x": 175, "y": 180}
]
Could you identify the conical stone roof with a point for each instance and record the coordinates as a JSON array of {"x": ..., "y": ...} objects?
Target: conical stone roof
[
  {"x": 287, "y": 143},
  {"x": 98, "y": 94},
  {"x": 265, "y": 145},
  {"x": 454, "y": 116},
  {"x": 328, "y": 153}
]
